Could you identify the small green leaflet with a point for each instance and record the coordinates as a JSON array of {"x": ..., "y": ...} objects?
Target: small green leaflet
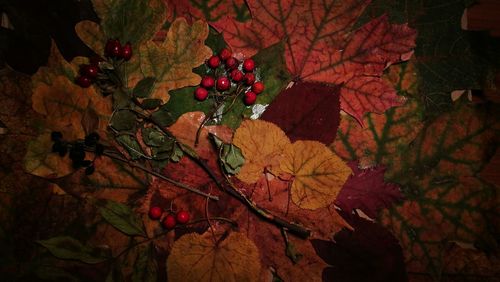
[
  {"x": 66, "y": 247},
  {"x": 145, "y": 266},
  {"x": 122, "y": 218},
  {"x": 131, "y": 145},
  {"x": 230, "y": 156},
  {"x": 144, "y": 87},
  {"x": 150, "y": 104},
  {"x": 123, "y": 120}
]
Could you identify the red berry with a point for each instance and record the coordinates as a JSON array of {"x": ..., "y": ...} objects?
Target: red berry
[
  {"x": 236, "y": 75},
  {"x": 213, "y": 62},
  {"x": 223, "y": 83},
  {"x": 126, "y": 53},
  {"x": 231, "y": 63},
  {"x": 248, "y": 65},
  {"x": 113, "y": 48},
  {"x": 169, "y": 222},
  {"x": 207, "y": 82},
  {"x": 258, "y": 87},
  {"x": 250, "y": 98},
  {"x": 89, "y": 71},
  {"x": 201, "y": 94},
  {"x": 225, "y": 54},
  {"x": 249, "y": 78},
  {"x": 183, "y": 217},
  {"x": 155, "y": 212},
  {"x": 83, "y": 81}
]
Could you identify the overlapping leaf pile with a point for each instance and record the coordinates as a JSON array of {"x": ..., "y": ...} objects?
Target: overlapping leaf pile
[{"x": 303, "y": 165}]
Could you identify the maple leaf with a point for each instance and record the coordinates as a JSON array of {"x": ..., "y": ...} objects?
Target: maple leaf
[
  {"x": 208, "y": 10},
  {"x": 320, "y": 46},
  {"x": 306, "y": 111},
  {"x": 318, "y": 174},
  {"x": 369, "y": 253},
  {"x": 199, "y": 258},
  {"x": 366, "y": 190},
  {"x": 262, "y": 144}
]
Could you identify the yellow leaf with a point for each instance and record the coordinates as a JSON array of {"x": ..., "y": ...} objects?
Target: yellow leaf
[
  {"x": 263, "y": 144},
  {"x": 197, "y": 257},
  {"x": 56, "y": 66},
  {"x": 318, "y": 174},
  {"x": 172, "y": 61},
  {"x": 92, "y": 35},
  {"x": 40, "y": 160}
]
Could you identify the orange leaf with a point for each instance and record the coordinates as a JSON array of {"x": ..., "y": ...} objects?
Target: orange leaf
[
  {"x": 318, "y": 173},
  {"x": 262, "y": 144},
  {"x": 197, "y": 257}
]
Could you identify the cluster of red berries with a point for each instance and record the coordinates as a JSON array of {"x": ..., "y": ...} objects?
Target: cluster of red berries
[
  {"x": 170, "y": 220},
  {"x": 233, "y": 70},
  {"x": 114, "y": 50}
]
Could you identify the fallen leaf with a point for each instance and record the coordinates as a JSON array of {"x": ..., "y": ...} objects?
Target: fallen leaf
[
  {"x": 172, "y": 61},
  {"x": 263, "y": 145},
  {"x": 321, "y": 46},
  {"x": 69, "y": 248},
  {"x": 369, "y": 253},
  {"x": 318, "y": 174},
  {"x": 306, "y": 111},
  {"x": 367, "y": 190},
  {"x": 92, "y": 35},
  {"x": 41, "y": 161},
  {"x": 210, "y": 11},
  {"x": 198, "y": 258}
]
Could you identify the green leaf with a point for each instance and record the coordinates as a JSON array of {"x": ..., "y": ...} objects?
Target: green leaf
[
  {"x": 163, "y": 117},
  {"x": 150, "y": 104},
  {"x": 131, "y": 145},
  {"x": 144, "y": 87},
  {"x": 153, "y": 137},
  {"x": 66, "y": 247},
  {"x": 132, "y": 20},
  {"x": 145, "y": 266},
  {"x": 123, "y": 120},
  {"x": 177, "y": 153},
  {"x": 122, "y": 218},
  {"x": 231, "y": 156}
]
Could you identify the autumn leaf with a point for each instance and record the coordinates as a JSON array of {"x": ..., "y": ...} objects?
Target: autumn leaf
[
  {"x": 171, "y": 61},
  {"x": 318, "y": 174},
  {"x": 263, "y": 145},
  {"x": 321, "y": 46},
  {"x": 92, "y": 35},
  {"x": 199, "y": 258},
  {"x": 208, "y": 10},
  {"x": 367, "y": 253},
  {"x": 41, "y": 161},
  {"x": 366, "y": 190},
  {"x": 306, "y": 111}
]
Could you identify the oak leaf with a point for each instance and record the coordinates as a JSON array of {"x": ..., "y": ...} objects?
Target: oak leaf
[
  {"x": 322, "y": 46},
  {"x": 263, "y": 145},
  {"x": 198, "y": 258},
  {"x": 318, "y": 174}
]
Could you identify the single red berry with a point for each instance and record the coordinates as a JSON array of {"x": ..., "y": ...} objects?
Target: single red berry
[
  {"x": 225, "y": 54},
  {"x": 155, "y": 212},
  {"x": 249, "y": 78},
  {"x": 126, "y": 53},
  {"x": 169, "y": 222},
  {"x": 207, "y": 82},
  {"x": 89, "y": 71},
  {"x": 201, "y": 94},
  {"x": 183, "y": 217},
  {"x": 248, "y": 65},
  {"x": 231, "y": 63},
  {"x": 223, "y": 83},
  {"x": 83, "y": 81},
  {"x": 258, "y": 87},
  {"x": 236, "y": 75},
  {"x": 213, "y": 62},
  {"x": 250, "y": 98},
  {"x": 113, "y": 48}
]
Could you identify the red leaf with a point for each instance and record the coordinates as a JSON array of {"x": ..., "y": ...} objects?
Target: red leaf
[
  {"x": 369, "y": 253},
  {"x": 320, "y": 46},
  {"x": 367, "y": 191},
  {"x": 306, "y": 111}
]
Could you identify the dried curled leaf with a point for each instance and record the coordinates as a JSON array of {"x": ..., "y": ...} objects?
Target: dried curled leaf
[
  {"x": 318, "y": 173},
  {"x": 197, "y": 257},
  {"x": 263, "y": 144},
  {"x": 172, "y": 61}
]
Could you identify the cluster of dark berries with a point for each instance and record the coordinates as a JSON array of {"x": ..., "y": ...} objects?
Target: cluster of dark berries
[
  {"x": 77, "y": 150},
  {"x": 170, "y": 220},
  {"x": 113, "y": 50},
  {"x": 226, "y": 72}
]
